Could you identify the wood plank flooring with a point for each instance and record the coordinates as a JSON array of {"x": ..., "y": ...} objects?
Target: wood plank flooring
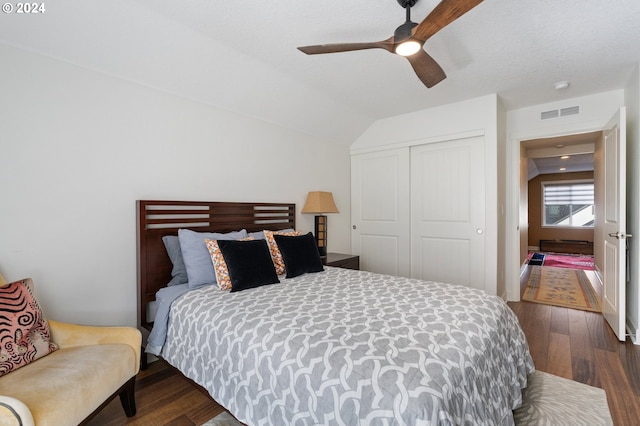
[
  {"x": 163, "y": 398},
  {"x": 577, "y": 345}
]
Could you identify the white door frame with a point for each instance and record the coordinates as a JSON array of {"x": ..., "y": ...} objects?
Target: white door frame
[
  {"x": 513, "y": 254},
  {"x": 513, "y": 291}
]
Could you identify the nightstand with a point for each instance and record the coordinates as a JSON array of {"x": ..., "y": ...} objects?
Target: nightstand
[{"x": 339, "y": 260}]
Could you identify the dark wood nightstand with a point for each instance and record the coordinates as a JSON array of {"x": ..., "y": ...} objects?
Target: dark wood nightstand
[{"x": 339, "y": 260}]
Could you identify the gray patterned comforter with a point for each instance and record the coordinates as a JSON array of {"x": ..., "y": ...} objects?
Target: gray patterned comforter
[{"x": 349, "y": 347}]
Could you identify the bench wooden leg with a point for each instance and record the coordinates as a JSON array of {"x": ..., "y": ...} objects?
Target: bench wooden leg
[
  {"x": 128, "y": 397},
  {"x": 144, "y": 363}
]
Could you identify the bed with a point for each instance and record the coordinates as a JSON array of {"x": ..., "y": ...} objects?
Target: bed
[{"x": 335, "y": 346}]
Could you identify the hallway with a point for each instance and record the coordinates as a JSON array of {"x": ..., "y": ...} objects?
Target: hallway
[{"x": 569, "y": 273}]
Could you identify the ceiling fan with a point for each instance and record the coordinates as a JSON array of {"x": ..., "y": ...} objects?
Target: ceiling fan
[{"x": 409, "y": 38}]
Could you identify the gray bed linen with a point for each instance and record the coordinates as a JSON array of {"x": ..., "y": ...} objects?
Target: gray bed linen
[
  {"x": 350, "y": 347},
  {"x": 164, "y": 298}
]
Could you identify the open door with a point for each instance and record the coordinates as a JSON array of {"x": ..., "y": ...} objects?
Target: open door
[{"x": 614, "y": 224}]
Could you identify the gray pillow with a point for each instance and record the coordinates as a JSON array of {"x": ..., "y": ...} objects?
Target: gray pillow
[
  {"x": 179, "y": 272},
  {"x": 257, "y": 235},
  {"x": 196, "y": 257},
  {"x": 260, "y": 234}
]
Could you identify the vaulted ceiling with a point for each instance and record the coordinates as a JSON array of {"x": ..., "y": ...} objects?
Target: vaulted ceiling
[{"x": 241, "y": 55}]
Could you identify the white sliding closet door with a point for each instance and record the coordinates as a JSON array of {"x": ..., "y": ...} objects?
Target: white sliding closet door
[
  {"x": 448, "y": 212},
  {"x": 380, "y": 211}
]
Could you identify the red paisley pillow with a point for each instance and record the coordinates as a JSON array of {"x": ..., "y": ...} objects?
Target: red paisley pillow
[{"x": 24, "y": 333}]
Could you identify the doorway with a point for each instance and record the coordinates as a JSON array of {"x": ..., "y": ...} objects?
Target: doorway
[
  {"x": 611, "y": 236},
  {"x": 561, "y": 205}
]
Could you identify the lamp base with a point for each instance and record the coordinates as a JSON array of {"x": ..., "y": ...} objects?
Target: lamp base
[{"x": 321, "y": 234}]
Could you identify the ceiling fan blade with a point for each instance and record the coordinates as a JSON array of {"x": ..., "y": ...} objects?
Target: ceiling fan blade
[
  {"x": 442, "y": 15},
  {"x": 426, "y": 68},
  {"x": 347, "y": 47}
]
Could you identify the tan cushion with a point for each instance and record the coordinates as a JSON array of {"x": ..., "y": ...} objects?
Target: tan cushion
[
  {"x": 2, "y": 280},
  {"x": 66, "y": 386}
]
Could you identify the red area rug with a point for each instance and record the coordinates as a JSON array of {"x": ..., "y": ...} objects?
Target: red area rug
[{"x": 565, "y": 261}]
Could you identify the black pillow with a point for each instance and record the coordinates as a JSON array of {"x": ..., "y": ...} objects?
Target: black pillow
[
  {"x": 299, "y": 253},
  {"x": 249, "y": 263}
]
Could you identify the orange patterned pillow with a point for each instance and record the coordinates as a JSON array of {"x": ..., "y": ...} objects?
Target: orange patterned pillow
[
  {"x": 219, "y": 265},
  {"x": 275, "y": 252},
  {"x": 25, "y": 334}
]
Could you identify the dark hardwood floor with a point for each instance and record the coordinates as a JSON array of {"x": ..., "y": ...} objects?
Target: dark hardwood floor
[
  {"x": 577, "y": 345},
  {"x": 580, "y": 346},
  {"x": 163, "y": 398}
]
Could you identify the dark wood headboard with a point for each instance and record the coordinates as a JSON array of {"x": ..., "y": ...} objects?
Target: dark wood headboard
[{"x": 159, "y": 218}]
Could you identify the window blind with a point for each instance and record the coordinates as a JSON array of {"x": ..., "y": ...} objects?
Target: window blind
[{"x": 568, "y": 194}]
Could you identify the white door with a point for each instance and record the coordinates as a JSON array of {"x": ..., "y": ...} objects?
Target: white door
[
  {"x": 448, "y": 212},
  {"x": 614, "y": 271},
  {"x": 380, "y": 211}
]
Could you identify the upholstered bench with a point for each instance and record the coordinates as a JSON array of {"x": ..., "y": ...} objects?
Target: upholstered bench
[{"x": 90, "y": 366}]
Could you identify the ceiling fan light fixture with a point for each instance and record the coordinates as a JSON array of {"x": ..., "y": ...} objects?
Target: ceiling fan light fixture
[
  {"x": 408, "y": 48},
  {"x": 406, "y": 45}
]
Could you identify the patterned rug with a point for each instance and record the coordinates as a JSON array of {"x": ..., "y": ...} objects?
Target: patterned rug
[
  {"x": 553, "y": 400},
  {"x": 569, "y": 288},
  {"x": 547, "y": 400},
  {"x": 223, "y": 419},
  {"x": 573, "y": 261}
]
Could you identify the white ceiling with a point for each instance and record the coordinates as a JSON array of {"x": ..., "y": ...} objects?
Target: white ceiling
[
  {"x": 562, "y": 154},
  {"x": 242, "y": 56}
]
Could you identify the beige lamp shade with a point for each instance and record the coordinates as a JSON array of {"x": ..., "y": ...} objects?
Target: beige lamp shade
[{"x": 320, "y": 202}]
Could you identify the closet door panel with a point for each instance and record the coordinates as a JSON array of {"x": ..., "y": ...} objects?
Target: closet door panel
[
  {"x": 380, "y": 211},
  {"x": 434, "y": 252},
  {"x": 448, "y": 212}
]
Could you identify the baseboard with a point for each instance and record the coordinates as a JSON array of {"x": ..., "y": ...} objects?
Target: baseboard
[
  {"x": 523, "y": 269},
  {"x": 634, "y": 332},
  {"x": 504, "y": 296}
]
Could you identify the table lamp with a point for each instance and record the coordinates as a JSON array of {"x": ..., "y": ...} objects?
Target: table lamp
[{"x": 320, "y": 202}]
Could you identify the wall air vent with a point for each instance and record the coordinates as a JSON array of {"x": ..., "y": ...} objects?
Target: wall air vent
[
  {"x": 574, "y": 110},
  {"x": 556, "y": 113},
  {"x": 546, "y": 115}
]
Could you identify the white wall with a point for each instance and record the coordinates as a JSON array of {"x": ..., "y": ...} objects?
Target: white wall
[
  {"x": 478, "y": 114},
  {"x": 524, "y": 123},
  {"x": 632, "y": 102},
  {"x": 77, "y": 148},
  {"x": 501, "y": 200},
  {"x": 162, "y": 52},
  {"x": 453, "y": 121}
]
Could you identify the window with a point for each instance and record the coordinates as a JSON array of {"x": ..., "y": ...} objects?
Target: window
[{"x": 568, "y": 204}]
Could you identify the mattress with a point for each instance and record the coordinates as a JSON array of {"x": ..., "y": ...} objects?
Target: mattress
[{"x": 349, "y": 347}]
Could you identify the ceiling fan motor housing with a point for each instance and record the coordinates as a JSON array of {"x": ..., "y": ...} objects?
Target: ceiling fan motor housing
[
  {"x": 407, "y": 3},
  {"x": 403, "y": 32}
]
